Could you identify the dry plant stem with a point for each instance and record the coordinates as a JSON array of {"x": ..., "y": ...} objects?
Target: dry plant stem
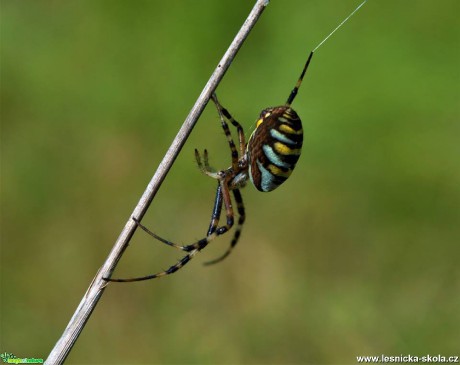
[{"x": 95, "y": 290}]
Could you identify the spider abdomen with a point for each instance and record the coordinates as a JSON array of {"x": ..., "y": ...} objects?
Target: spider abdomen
[{"x": 274, "y": 147}]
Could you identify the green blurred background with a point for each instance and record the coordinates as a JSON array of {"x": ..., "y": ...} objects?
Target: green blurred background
[{"x": 356, "y": 254}]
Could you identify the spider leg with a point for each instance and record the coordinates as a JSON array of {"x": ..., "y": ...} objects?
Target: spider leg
[
  {"x": 206, "y": 160},
  {"x": 222, "y": 195},
  {"x": 223, "y": 112},
  {"x": 205, "y": 168},
  {"x": 169, "y": 243},
  {"x": 169, "y": 271},
  {"x": 239, "y": 227},
  {"x": 239, "y": 128},
  {"x": 216, "y": 211}
]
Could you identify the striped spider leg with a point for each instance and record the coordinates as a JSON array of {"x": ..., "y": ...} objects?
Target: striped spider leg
[
  {"x": 237, "y": 174},
  {"x": 231, "y": 179}
]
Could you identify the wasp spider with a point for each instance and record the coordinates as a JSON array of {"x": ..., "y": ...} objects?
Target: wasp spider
[{"x": 267, "y": 160}]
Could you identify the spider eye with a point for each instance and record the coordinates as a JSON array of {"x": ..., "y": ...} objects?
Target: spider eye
[{"x": 265, "y": 113}]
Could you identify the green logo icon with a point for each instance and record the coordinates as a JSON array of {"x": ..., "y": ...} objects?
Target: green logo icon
[{"x": 9, "y": 358}]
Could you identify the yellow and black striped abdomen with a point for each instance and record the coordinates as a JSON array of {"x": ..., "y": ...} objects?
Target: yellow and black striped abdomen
[{"x": 274, "y": 147}]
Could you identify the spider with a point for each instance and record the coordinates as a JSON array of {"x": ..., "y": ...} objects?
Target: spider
[{"x": 267, "y": 160}]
